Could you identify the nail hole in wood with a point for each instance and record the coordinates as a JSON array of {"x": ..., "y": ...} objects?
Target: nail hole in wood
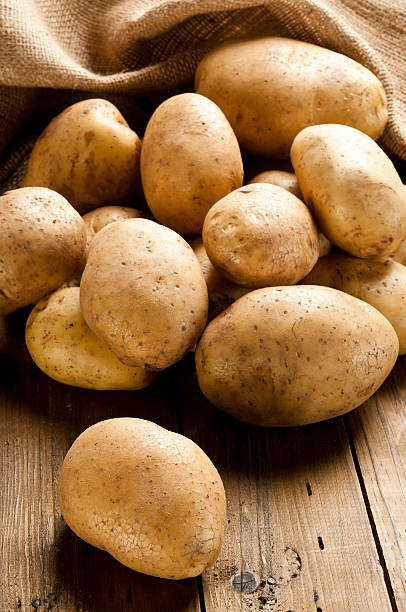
[
  {"x": 244, "y": 582},
  {"x": 35, "y": 603},
  {"x": 321, "y": 543},
  {"x": 309, "y": 489}
]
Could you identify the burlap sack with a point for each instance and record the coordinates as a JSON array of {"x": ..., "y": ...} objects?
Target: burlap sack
[{"x": 141, "y": 48}]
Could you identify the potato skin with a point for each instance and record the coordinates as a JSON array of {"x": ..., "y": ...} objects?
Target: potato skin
[
  {"x": 42, "y": 244},
  {"x": 325, "y": 245},
  {"x": 162, "y": 305},
  {"x": 88, "y": 154},
  {"x": 190, "y": 159},
  {"x": 150, "y": 497},
  {"x": 286, "y": 356},
  {"x": 95, "y": 220},
  {"x": 64, "y": 348},
  {"x": 261, "y": 235},
  {"x": 379, "y": 283},
  {"x": 221, "y": 291},
  {"x": 288, "y": 181},
  {"x": 282, "y": 178},
  {"x": 271, "y": 88},
  {"x": 100, "y": 217},
  {"x": 352, "y": 188},
  {"x": 400, "y": 254}
]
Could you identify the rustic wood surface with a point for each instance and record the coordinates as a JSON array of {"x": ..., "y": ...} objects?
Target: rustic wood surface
[
  {"x": 316, "y": 515},
  {"x": 44, "y": 565},
  {"x": 298, "y": 527},
  {"x": 378, "y": 430}
]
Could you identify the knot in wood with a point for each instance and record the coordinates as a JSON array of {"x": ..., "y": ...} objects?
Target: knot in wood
[{"x": 244, "y": 582}]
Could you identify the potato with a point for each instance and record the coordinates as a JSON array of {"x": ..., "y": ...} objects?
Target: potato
[
  {"x": 261, "y": 235},
  {"x": 143, "y": 293},
  {"x": 325, "y": 245},
  {"x": 42, "y": 244},
  {"x": 64, "y": 348},
  {"x": 190, "y": 159},
  {"x": 222, "y": 292},
  {"x": 282, "y": 178},
  {"x": 285, "y": 356},
  {"x": 400, "y": 254},
  {"x": 150, "y": 497},
  {"x": 288, "y": 181},
  {"x": 352, "y": 188},
  {"x": 100, "y": 217},
  {"x": 380, "y": 283},
  {"x": 95, "y": 220},
  {"x": 271, "y": 88},
  {"x": 89, "y": 155}
]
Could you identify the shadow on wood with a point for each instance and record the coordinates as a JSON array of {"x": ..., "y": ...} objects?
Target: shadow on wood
[
  {"x": 96, "y": 581},
  {"x": 296, "y": 518}
]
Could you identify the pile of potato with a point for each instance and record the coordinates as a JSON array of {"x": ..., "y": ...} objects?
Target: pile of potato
[{"x": 296, "y": 335}]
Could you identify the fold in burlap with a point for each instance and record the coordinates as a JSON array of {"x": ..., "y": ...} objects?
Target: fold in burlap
[{"x": 141, "y": 48}]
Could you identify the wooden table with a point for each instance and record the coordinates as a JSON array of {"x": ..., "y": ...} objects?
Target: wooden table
[{"x": 316, "y": 514}]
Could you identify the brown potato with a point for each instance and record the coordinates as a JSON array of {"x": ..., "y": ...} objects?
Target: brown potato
[
  {"x": 222, "y": 292},
  {"x": 380, "y": 283},
  {"x": 88, "y": 154},
  {"x": 95, "y": 220},
  {"x": 325, "y": 245},
  {"x": 261, "y": 235},
  {"x": 190, "y": 159},
  {"x": 285, "y": 356},
  {"x": 400, "y": 254},
  {"x": 352, "y": 188},
  {"x": 143, "y": 293},
  {"x": 64, "y": 348},
  {"x": 100, "y": 217},
  {"x": 282, "y": 178},
  {"x": 288, "y": 181},
  {"x": 42, "y": 245},
  {"x": 150, "y": 497},
  {"x": 270, "y": 88}
]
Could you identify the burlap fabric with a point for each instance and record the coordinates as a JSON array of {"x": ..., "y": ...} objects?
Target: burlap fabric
[{"x": 127, "y": 49}]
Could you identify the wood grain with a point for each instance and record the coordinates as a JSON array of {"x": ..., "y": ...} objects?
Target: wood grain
[
  {"x": 378, "y": 430},
  {"x": 44, "y": 565},
  {"x": 297, "y": 525},
  {"x": 298, "y": 537}
]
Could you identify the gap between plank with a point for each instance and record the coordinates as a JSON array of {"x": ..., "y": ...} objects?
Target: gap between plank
[
  {"x": 176, "y": 399},
  {"x": 201, "y": 593},
  {"x": 176, "y": 404},
  {"x": 170, "y": 379},
  {"x": 374, "y": 530}
]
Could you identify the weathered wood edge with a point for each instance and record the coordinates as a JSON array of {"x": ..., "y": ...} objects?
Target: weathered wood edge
[
  {"x": 297, "y": 525},
  {"x": 44, "y": 565},
  {"x": 378, "y": 433}
]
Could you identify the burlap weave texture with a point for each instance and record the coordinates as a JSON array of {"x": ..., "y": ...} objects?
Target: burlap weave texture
[{"x": 139, "y": 48}]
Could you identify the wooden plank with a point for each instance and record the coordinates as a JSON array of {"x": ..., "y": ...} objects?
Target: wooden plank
[
  {"x": 378, "y": 430},
  {"x": 44, "y": 565},
  {"x": 297, "y": 524}
]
